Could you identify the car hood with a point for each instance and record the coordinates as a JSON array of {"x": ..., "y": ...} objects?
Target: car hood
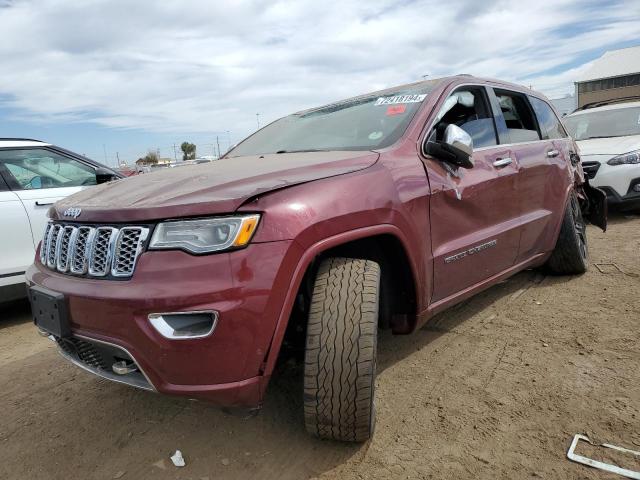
[
  {"x": 609, "y": 147},
  {"x": 218, "y": 187}
]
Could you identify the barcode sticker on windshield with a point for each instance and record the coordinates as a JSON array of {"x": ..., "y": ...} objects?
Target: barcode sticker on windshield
[{"x": 401, "y": 99}]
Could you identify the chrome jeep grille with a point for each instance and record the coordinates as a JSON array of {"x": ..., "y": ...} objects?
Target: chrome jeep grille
[
  {"x": 79, "y": 261},
  {"x": 101, "y": 251},
  {"x": 62, "y": 255},
  {"x": 52, "y": 243},
  {"x": 94, "y": 251},
  {"x": 127, "y": 249}
]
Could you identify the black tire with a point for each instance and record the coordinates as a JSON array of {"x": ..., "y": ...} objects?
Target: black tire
[
  {"x": 571, "y": 253},
  {"x": 340, "y": 356}
]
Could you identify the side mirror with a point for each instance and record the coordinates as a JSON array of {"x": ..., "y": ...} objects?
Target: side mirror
[
  {"x": 104, "y": 175},
  {"x": 456, "y": 147}
]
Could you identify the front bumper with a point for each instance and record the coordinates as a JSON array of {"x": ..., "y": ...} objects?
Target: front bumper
[
  {"x": 617, "y": 181},
  {"x": 98, "y": 357},
  {"x": 630, "y": 200},
  {"x": 246, "y": 287}
]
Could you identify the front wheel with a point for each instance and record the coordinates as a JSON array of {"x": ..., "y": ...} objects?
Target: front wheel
[
  {"x": 340, "y": 356},
  {"x": 571, "y": 253}
]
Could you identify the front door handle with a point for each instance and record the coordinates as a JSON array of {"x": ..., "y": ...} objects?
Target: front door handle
[
  {"x": 553, "y": 153},
  {"x": 502, "y": 162},
  {"x": 43, "y": 204}
]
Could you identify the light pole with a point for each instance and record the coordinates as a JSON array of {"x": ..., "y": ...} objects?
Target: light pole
[{"x": 258, "y": 120}]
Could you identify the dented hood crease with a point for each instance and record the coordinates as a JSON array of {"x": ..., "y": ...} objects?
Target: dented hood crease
[{"x": 213, "y": 188}]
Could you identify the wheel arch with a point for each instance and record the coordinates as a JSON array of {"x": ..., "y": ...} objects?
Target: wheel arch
[
  {"x": 398, "y": 281},
  {"x": 383, "y": 243}
]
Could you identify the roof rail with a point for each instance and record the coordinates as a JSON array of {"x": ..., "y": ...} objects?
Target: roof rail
[{"x": 20, "y": 139}]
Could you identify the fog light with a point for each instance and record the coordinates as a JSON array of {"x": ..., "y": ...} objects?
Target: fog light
[
  {"x": 184, "y": 325},
  {"x": 122, "y": 367}
]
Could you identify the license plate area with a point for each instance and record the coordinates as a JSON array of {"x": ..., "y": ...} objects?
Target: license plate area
[{"x": 50, "y": 312}]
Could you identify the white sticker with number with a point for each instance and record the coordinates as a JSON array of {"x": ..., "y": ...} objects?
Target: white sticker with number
[{"x": 401, "y": 99}]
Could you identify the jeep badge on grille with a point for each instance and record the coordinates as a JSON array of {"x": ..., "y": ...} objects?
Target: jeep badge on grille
[{"x": 72, "y": 212}]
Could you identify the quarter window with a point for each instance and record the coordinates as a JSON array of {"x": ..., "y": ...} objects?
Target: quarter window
[
  {"x": 521, "y": 125},
  {"x": 36, "y": 168},
  {"x": 550, "y": 126}
]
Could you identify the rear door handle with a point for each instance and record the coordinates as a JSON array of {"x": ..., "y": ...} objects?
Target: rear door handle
[
  {"x": 43, "y": 204},
  {"x": 553, "y": 153},
  {"x": 502, "y": 162}
]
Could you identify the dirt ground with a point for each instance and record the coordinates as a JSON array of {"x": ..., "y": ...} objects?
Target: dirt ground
[{"x": 494, "y": 388}]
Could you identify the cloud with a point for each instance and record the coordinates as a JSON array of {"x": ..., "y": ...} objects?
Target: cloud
[{"x": 198, "y": 66}]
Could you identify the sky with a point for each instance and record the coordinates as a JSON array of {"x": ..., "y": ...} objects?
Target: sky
[{"x": 115, "y": 79}]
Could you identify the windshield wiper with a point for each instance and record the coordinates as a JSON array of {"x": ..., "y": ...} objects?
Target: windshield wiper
[
  {"x": 601, "y": 136},
  {"x": 301, "y": 151}
]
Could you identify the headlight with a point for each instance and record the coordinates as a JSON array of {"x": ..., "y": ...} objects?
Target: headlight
[
  {"x": 205, "y": 235},
  {"x": 626, "y": 159}
]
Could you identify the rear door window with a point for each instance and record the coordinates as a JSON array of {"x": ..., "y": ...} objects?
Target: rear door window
[
  {"x": 550, "y": 126},
  {"x": 518, "y": 116},
  {"x": 468, "y": 109}
]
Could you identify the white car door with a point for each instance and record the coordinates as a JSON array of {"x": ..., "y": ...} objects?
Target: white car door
[
  {"x": 15, "y": 240},
  {"x": 41, "y": 177},
  {"x": 38, "y": 201}
]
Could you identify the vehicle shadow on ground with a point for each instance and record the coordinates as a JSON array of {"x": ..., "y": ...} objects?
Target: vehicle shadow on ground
[
  {"x": 394, "y": 348},
  {"x": 617, "y": 217},
  {"x": 14, "y": 313}
]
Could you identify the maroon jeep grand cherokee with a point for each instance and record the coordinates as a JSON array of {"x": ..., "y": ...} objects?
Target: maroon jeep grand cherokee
[{"x": 377, "y": 211}]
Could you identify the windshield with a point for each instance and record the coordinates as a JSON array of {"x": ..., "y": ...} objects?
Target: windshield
[
  {"x": 605, "y": 123},
  {"x": 362, "y": 123}
]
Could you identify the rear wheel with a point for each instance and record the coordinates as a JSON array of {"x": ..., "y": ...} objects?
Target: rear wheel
[
  {"x": 340, "y": 356},
  {"x": 571, "y": 253}
]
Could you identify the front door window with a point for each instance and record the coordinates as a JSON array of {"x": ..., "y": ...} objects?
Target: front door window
[
  {"x": 37, "y": 168},
  {"x": 469, "y": 110}
]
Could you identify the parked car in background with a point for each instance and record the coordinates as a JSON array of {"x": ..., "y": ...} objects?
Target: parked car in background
[
  {"x": 608, "y": 137},
  {"x": 33, "y": 176},
  {"x": 376, "y": 211},
  {"x": 195, "y": 161},
  {"x": 126, "y": 171}
]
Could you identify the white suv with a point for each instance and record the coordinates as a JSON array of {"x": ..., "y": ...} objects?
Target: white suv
[
  {"x": 33, "y": 176},
  {"x": 609, "y": 141}
]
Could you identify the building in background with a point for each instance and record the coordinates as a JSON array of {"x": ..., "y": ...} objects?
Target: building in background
[
  {"x": 615, "y": 75},
  {"x": 564, "y": 105}
]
